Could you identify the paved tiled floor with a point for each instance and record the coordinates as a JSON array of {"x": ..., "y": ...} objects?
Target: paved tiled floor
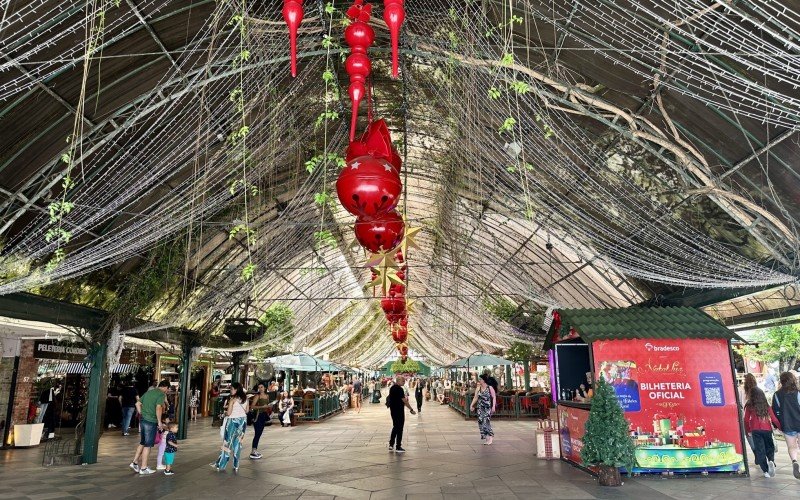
[{"x": 346, "y": 457}]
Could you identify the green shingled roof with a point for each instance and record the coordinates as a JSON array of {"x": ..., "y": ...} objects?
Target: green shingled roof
[{"x": 639, "y": 323}]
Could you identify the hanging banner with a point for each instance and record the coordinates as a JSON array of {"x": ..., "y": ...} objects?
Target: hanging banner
[{"x": 680, "y": 399}]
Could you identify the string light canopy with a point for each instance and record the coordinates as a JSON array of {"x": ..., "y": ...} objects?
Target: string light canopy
[{"x": 555, "y": 154}]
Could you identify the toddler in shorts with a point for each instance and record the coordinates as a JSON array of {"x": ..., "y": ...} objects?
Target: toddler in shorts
[{"x": 171, "y": 449}]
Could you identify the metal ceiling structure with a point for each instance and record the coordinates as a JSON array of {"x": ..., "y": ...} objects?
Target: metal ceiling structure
[{"x": 653, "y": 148}]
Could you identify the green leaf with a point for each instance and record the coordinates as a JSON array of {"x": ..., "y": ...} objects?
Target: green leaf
[
  {"x": 329, "y": 9},
  {"x": 247, "y": 271},
  {"x": 508, "y": 125},
  {"x": 520, "y": 87},
  {"x": 327, "y": 75},
  {"x": 494, "y": 93},
  {"x": 507, "y": 59}
]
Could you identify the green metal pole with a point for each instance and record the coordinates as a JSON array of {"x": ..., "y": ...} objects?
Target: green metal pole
[
  {"x": 183, "y": 390},
  {"x": 91, "y": 438},
  {"x": 236, "y": 372},
  {"x": 509, "y": 382},
  {"x": 527, "y": 374}
]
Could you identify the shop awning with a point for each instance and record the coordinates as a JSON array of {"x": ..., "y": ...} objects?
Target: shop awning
[
  {"x": 637, "y": 323},
  {"x": 66, "y": 367},
  {"x": 480, "y": 359},
  {"x": 302, "y": 362}
]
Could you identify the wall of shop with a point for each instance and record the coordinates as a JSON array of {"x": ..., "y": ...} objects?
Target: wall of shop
[{"x": 26, "y": 376}]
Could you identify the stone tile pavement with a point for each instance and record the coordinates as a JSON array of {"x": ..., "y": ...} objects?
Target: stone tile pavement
[{"x": 346, "y": 457}]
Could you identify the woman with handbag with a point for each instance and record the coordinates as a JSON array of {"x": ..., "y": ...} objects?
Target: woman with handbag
[
  {"x": 260, "y": 413},
  {"x": 233, "y": 428},
  {"x": 285, "y": 407}
]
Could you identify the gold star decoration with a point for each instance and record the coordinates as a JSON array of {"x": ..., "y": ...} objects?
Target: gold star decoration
[
  {"x": 385, "y": 268},
  {"x": 408, "y": 239}
]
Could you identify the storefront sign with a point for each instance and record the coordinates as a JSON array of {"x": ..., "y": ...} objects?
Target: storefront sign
[
  {"x": 572, "y": 427},
  {"x": 679, "y": 398},
  {"x": 50, "y": 349}
]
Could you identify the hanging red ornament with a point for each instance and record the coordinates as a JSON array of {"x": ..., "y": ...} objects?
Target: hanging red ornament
[
  {"x": 369, "y": 187},
  {"x": 393, "y": 305},
  {"x": 359, "y": 36},
  {"x": 376, "y": 141},
  {"x": 397, "y": 289},
  {"x": 293, "y": 16},
  {"x": 401, "y": 274},
  {"x": 398, "y": 257},
  {"x": 394, "y": 14},
  {"x": 404, "y": 322},
  {"x": 380, "y": 233},
  {"x": 402, "y": 348},
  {"x": 400, "y": 334}
]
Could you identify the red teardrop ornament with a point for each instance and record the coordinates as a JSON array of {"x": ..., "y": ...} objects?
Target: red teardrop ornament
[
  {"x": 293, "y": 16},
  {"x": 394, "y": 14},
  {"x": 368, "y": 187}
]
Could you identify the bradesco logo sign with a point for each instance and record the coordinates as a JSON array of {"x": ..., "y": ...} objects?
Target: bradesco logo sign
[{"x": 661, "y": 348}]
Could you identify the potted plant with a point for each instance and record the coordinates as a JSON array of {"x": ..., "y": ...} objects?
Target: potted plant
[{"x": 606, "y": 443}]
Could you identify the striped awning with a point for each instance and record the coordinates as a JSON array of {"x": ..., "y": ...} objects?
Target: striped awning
[{"x": 66, "y": 367}]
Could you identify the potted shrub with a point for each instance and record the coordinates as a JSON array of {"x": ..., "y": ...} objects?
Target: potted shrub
[{"x": 607, "y": 444}]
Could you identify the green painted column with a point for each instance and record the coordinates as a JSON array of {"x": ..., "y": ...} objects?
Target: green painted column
[
  {"x": 527, "y": 374},
  {"x": 509, "y": 380},
  {"x": 94, "y": 406},
  {"x": 183, "y": 392}
]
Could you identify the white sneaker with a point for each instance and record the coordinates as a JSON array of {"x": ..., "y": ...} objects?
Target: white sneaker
[
  {"x": 771, "y": 467},
  {"x": 766, "y": 474},
  {"x": 134, "y": 466},
  {"x": 146, "y": 470},
  {"x": 161, "y": 467}
]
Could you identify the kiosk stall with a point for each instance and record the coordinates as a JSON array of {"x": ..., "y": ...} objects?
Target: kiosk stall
[{"x": 672, "y": 371}]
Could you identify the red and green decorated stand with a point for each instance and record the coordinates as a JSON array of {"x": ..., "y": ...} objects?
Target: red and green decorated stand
[{"x": 672, "y": 371}]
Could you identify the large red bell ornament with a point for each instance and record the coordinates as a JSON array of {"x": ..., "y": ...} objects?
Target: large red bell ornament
[
  {"x": 400, "y": 335},
  {"x": 394, "y": 14},
  {"x": 359, "y": 35},
  {"x": 368, "y": 187},
  {"x": 293, "y": 16},
  {"x": 381, "y": 233}
]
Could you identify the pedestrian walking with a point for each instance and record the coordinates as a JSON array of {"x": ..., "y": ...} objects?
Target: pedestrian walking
[
  {"x": 786, "y": 405},
  {"x": 419, "y": 394},
  {"x": 233, "y": 428},
  {"x": 356, "y": 395},
  {"x": 397, "y": 402},
  {"x": 485, "y": 399},
  {"x": 261, "y": 409},
  {"x": 758, "y": 421},
  {"x": 128, "y": 398},
  {"x": 194, "y": 403},
  {"x": 150, "y": 407},
  {"x": 161, "y": 441}
]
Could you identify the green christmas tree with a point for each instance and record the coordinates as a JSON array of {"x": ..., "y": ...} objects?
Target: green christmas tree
[{"x": 607, "y": 441}]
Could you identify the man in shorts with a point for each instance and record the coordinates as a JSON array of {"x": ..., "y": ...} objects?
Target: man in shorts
[{"x": 150, "y": 407}]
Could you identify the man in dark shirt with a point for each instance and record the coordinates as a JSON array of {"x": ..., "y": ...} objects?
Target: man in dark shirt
[
  {"x": 397, "y": 401},
  {"x": 127, "y": 399}
]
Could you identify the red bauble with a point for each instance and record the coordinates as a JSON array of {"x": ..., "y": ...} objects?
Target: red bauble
[
  {"x": 400, "y": 335},
  {"x": 401, "y": 274},
  {"x": 404, "y": 322},
  {"x": 359, "y": 36},
  {"x": 393, "y": 305},
  {"x": 369, "y": 187},
  {"x": 293, "y": 16},
  {"x": 398, "y": 290},
  {"x": 399, "y": 256},
  {"x": 381, "y": 233}
]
